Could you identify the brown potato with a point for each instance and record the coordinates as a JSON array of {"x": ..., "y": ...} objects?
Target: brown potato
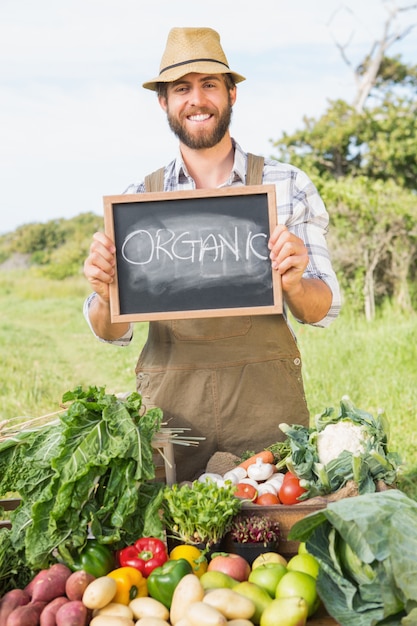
[
  {"x": 50, "y": 584},
  {"x": 73, "y": 613},
  {"x": 48, "y": 615},
  {"x": 77, "y": 583}
]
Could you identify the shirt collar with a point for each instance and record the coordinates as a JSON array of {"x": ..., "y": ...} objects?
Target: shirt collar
[{"x": 238, "y": 172}]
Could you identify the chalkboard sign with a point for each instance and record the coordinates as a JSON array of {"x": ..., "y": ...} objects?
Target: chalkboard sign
[{"x": 195, "y": 253}]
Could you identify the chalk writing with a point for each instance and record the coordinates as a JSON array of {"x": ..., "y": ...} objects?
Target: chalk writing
[{"x": 146, "y": 247}]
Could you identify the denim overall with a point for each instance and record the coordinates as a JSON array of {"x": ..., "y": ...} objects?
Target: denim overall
[{"x": 231, "y": 380}]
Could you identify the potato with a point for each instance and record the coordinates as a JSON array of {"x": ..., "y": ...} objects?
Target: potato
[
  {"x": 115, "y": 608},
  {"x": 100, "y": 592},
  {"x": 10, "y": 601},
  {"x": 152, "y": 621},
  {"x": 73, "y": 613},
  {"x": 50, "y": 584},
  {"x": 188, "y": 591},
  {"x": 28, "y": 615},
  {"x": 148, "y": 607},
  {"x": 29, "y": 586},
  {"x": 111, "y": 620},
  {"x": 77, "y": 583},
  {"x": 202, "y": 614},
  {"x": 230, "y": 603},
  {"x": 48, "y": 615}
]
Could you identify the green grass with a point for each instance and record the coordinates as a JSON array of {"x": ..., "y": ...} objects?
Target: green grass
[{"x": 47, "y": 349}]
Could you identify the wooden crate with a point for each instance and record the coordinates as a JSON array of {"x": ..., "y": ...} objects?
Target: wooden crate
[
  {"x": 286, "y": 516},
  {"x": 9, "y": 504},
  {"x": 163, "y": 458}
]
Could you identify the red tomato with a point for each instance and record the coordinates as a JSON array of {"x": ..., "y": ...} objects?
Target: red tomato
[
  {"x": 290, "y": 476},
  {"x": 244, "y": 491},
  {"x": 267, "y": 499},
  {"x": 290, "y": 490}
]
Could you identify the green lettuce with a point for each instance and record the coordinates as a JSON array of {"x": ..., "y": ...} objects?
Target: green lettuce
[{"x": 367, "y": 549}]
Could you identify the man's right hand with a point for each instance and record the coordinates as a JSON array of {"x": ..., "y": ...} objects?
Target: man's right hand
[{"x": 99, "y": 266}]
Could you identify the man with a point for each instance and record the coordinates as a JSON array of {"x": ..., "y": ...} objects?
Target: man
[{"x": 231, "y": 380}]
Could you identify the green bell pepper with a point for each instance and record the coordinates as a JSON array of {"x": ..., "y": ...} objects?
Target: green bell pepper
[
  {"x": 163, "y": 580},
  {"x": 95, "y": 558}
]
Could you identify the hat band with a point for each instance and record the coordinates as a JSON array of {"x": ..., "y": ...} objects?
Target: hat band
[{"x": 170, "y": 67}]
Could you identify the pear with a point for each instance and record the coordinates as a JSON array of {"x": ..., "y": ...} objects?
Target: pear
[{"x": 285, "y": 612}]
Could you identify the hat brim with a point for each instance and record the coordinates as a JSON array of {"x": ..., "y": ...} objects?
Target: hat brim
[{"x": 199, "y": 67}]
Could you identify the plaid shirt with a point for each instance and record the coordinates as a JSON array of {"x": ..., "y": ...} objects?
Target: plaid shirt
[{"x": 299, "y": 208}]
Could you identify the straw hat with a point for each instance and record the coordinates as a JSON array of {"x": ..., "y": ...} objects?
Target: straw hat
[{"x": 191, "y": 50}]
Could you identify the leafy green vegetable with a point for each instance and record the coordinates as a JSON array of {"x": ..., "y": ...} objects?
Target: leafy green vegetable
[
  {"x": 14, "y": 574},
  {"x": 89, "y": 473},
  {"x": 367, "y": 550},
  {"x": 350, "y": 445},
  {"x": 201, "y": 512}
]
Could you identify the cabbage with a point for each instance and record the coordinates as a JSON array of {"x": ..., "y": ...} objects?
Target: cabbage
[{"x": 367, "y": 549}]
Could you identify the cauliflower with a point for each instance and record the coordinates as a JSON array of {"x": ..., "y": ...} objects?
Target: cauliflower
[{"x": 335, "y": 438}]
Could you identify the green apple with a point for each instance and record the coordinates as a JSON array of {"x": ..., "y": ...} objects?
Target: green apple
[
  {"x": 285, "y": 612},
  {"x": 259, "y": 597},
  {"x": 268, "y": 576},
  {"x": 217, "y": 580},
  {"x": 304, "y": 562},
  {"x": 269, "y": 557},
  {"x": 299, "y": 585}
]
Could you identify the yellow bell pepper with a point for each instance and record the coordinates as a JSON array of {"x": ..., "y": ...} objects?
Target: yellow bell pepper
[
  {"x": 193, "y": 555},
  {"x": 130, "y": 584}
]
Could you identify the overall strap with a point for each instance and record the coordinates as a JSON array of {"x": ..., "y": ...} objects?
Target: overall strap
[
  {"x": 155, "y": 181},
  {"x": 254, "y": 171}
]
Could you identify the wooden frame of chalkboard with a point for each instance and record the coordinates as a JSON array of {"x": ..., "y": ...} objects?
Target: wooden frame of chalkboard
[{"x": 194, "y": 253}]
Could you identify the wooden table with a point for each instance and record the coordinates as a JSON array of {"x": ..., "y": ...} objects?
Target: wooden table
[{"x": 321, "y": 618}]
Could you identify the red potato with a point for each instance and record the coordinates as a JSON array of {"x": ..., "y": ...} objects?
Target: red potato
[
  {"x": 28, "y": 615},
  {"x": 10, "y": 601},
  {"x": 50, "y": 584},
  {"x": 73, "y": 613},
  {"x": 77, "y": 583},
  {"x": 29, "y": 586},
  {"x": 48, "y": 615}
]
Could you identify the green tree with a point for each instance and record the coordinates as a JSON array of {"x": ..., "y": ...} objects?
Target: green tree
[
  {"x": 373, "y": 240},
  {"x": 363, "y": 158}
]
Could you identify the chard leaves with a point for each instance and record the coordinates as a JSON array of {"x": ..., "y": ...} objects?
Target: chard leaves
[{"x": 89, "y": 473}]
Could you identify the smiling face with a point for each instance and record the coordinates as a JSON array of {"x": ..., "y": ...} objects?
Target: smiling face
[{"x": 199, "y": 109}]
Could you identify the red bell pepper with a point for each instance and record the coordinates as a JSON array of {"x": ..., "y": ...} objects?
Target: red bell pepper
[{"x": 144, "y": 555}]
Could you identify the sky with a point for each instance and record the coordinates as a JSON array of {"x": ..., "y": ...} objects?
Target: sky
[{"x": 77, "y": 125}]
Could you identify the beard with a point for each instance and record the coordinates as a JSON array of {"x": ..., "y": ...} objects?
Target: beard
[{"x": 207, "y": 139}]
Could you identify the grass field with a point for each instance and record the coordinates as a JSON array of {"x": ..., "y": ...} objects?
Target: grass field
[{"x": 47, "y": 349}]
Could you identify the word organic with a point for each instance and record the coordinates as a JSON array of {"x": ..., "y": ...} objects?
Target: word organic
[{"x": 143, "y": 247}]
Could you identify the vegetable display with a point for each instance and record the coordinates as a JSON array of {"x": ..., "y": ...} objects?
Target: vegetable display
[
  {"x": 349, "y": 446},
  {"x": 89, "y": 471},
  {"x": 367, "y": 549}
]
